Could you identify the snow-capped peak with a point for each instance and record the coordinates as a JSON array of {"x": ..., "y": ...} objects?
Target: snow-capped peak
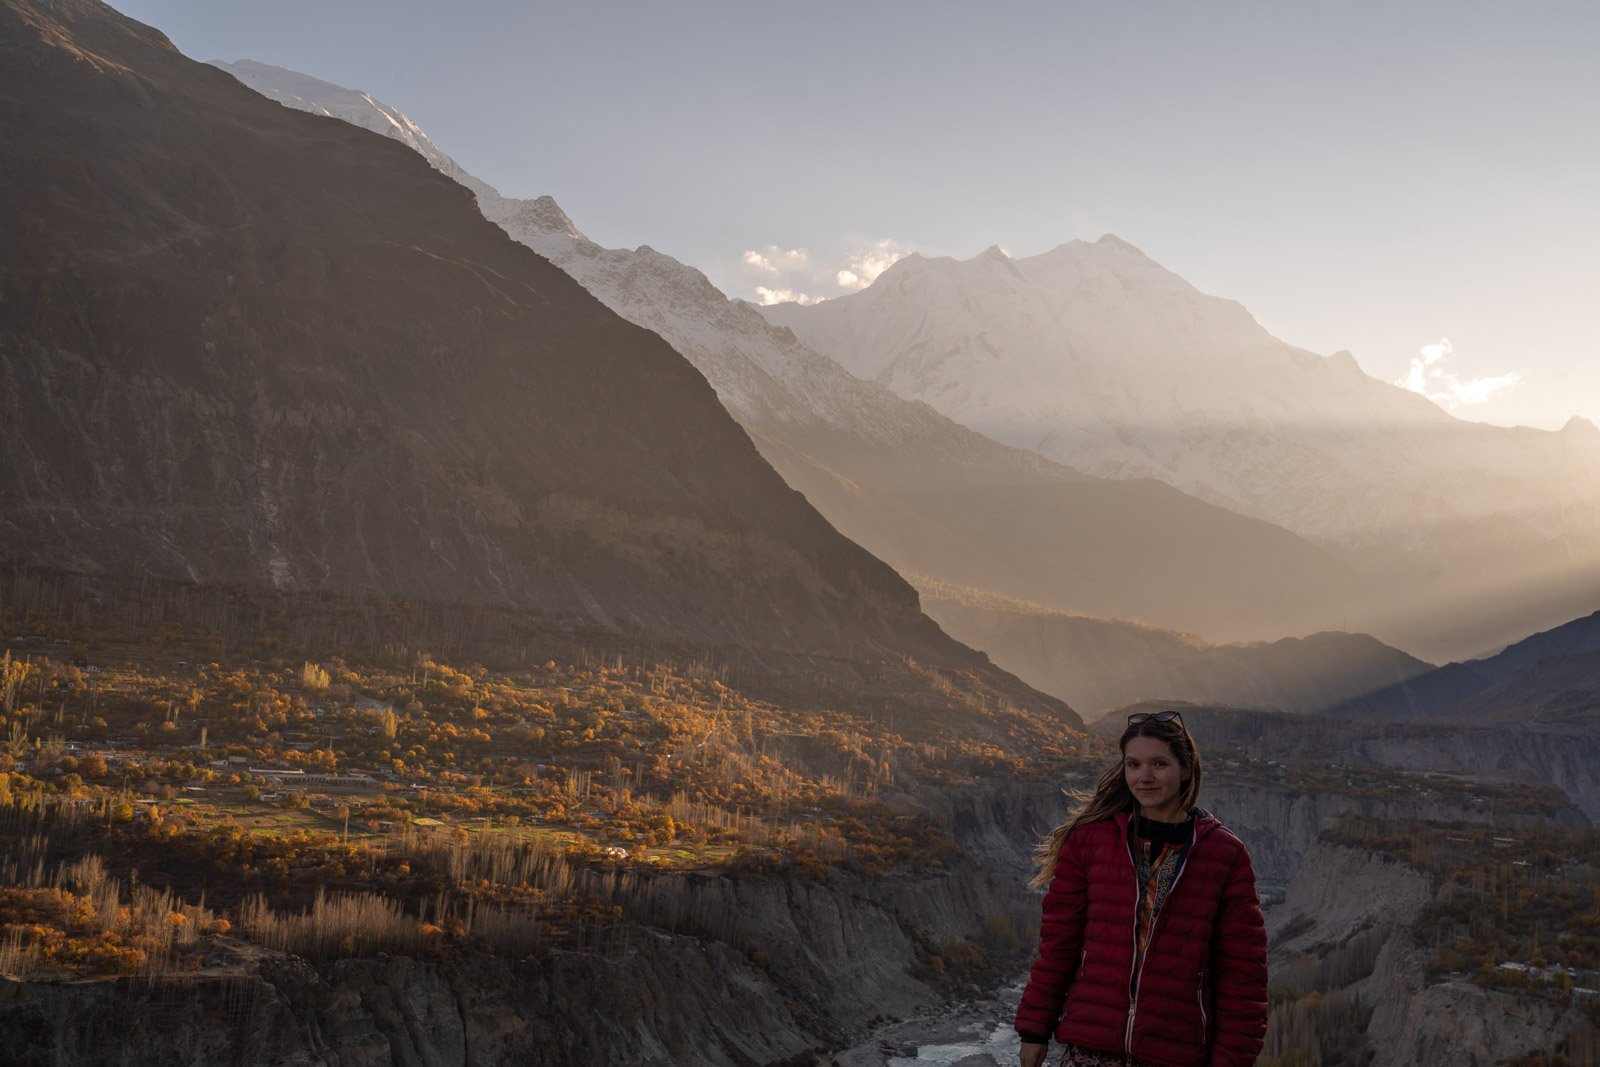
[
  {"x": 1113, "y": 242},
  {"x": 540, "y": 215},
  {"x": 305, "y": 93},
  {"x": 1096, "y": 356}
]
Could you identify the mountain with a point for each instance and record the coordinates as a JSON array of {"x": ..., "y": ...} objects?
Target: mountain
[
  {"x": 243, "y": 344},
  {"x": 1094, "y": 355},
  {"x": 349, "y": 105},
  {"x": 1099, "y": 665},
  {"x": 1576, "y": 638},
  {"x": 1562, "y": 689},
  {"x": 921, "y": 492},
  {"x": 1555, "y": 673},
  {"x": 1440, "y": 688}
]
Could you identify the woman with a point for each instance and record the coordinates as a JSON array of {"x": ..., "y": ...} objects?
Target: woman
[{"x": 1151, "y": 949}]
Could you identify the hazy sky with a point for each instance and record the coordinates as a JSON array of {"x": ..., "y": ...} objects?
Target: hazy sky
[{"x": 1384, "y": 178}]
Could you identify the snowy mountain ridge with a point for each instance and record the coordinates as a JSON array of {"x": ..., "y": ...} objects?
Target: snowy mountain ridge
[
  {"x": 1096, "y": 356},
  {"x": 761, "y": 372},
  {"x": 305, "y": 93}
]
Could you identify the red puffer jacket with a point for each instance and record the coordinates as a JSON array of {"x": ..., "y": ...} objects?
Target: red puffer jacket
[{"x": 1200, "y": 999}]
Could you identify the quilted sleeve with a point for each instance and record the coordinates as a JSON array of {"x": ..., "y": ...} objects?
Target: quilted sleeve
[
  {"x": 1239, "y": 970},
  {"x": 1060, "y": 942}
]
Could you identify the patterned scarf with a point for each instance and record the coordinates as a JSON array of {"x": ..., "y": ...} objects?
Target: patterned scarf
[{"x": 1157, "y": 869}]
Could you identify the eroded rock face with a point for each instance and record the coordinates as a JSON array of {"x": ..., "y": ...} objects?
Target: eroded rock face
[
  {"x": 1344, "y": 888},
  {"x": 1339, "y": 892},
  {"x": 663, "y": 1001},
  {"x": 1458, "y": 1024},
  {"x": 1563, "y": 754},
  {"x": 1281, "y": 824}
]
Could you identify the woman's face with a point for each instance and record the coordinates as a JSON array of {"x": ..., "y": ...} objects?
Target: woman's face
[{"x": 1154, "y": 777}]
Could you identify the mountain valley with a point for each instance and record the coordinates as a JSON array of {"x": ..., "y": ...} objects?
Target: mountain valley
[{"x": 430, "y": 637}]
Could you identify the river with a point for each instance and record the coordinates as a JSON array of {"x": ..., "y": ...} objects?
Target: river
[{"x": 973, "y": 1034}]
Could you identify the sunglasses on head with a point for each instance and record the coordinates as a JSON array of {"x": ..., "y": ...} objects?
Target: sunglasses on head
[{"x": 1159, "y": 716}]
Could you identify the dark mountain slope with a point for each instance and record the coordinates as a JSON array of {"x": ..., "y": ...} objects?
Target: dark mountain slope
[
  {"x": 1556, "y": 672},
  {"x": 246, "y": 344},
  {"x": 1556, "y": 689},
  {"x": 1415, "y": 697},
  {"x": 1576, "y": 637}
]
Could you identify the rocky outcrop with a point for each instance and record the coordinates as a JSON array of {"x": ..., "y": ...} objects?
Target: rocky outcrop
[
  {"x": 1281, "y": 824},
  {"x": 1339, "y": 892},
  {"x": 1343, "y": 889},
  {"x": 1457, "y": 1024},
  {"x": 661, "y": 1000},
  {"x": 1565, "y": 755},
  {"x": 1539, "y": 748}
]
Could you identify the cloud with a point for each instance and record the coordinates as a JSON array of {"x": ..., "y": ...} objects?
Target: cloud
[
  {"x": 784, "y": 296},
  {"x": 775, "y": 260},
  {"x": 1478, "y": 390},
  {"x": 777, "y": 274},
  {"x": 867, "y": 263},
  {"x": 1428, "y": 377}
]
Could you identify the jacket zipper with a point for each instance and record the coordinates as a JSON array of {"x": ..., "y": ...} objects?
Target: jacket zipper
[
  {"x": 1155, "y": 918},
  {"x": 1200, "y": 998}
]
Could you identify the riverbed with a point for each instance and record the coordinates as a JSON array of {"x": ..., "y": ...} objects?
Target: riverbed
[{"x": 976, "y": 1033}]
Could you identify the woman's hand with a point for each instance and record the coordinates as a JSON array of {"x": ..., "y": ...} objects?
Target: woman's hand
[{"x": 1032, "y": 1054}]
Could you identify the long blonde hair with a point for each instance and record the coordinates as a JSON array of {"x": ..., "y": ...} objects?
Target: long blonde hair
[{"x": 1112, "y": 795}]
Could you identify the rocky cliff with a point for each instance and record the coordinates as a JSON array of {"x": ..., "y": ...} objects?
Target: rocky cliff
[
  {"x": 1281, "y": 824},
  {"x": 1344, "y": 889},
  {"x": 1412, "y": 1023},
  {"x": 664, "y": 1000},
  {"x": 1458, "y": 1024},
  {"x": 1561, "y": 754},
  {"x": 1533, "y": 750}
]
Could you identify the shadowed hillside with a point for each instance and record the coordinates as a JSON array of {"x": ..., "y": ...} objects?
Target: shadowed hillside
[
  {"x": 1550, "y": 675},
  {"x": 1101, "y": 664},
  {"x": 247, "y": 344}
]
